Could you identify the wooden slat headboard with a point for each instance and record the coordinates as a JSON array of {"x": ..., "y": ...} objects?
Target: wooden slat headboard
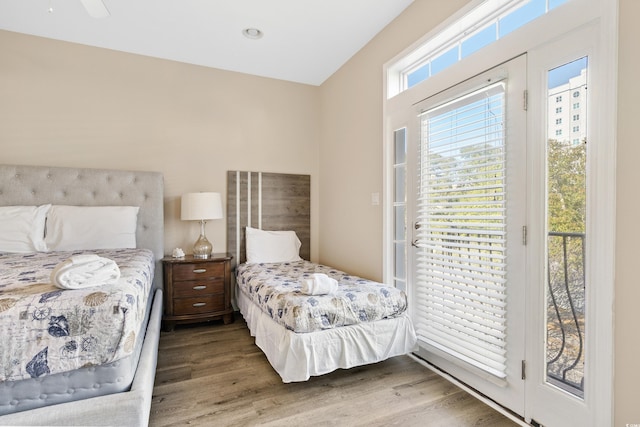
[{"x": 269, "y": 201}]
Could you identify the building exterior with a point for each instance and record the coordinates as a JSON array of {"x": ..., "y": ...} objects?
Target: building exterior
[{"x": 567, "y": 112}]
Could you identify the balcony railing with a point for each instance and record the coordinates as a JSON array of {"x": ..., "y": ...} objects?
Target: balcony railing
[{"x": 565, "y": 311}]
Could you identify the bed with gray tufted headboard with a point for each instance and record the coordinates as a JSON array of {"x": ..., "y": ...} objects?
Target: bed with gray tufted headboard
[{"x": 118, "y": 393}]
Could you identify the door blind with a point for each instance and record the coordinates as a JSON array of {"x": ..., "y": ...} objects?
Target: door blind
[{"x": 461, "y": 229}]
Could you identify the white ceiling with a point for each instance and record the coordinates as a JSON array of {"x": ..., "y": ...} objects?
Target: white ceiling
[{"x": 304, "y": 41}]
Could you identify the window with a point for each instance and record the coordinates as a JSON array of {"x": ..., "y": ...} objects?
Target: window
[
  {"x": 559, "y": 110},
  {"x": 558, "y": 121},
  {"x": 576, "y": 94},
  {"x": 400, "y": 208},
  {"x": 558, "y": 98},
  {"x": 576, "y": 105},
  {"x": 558, "y": 132},
  {"x": 484, "y": 25},
  {"x": 566, "y": 217},
  {"x": 576, "y": 117}
]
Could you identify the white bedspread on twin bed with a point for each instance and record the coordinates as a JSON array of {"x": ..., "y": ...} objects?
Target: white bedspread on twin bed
[
  {"x": 54, "y": 330},
  {"x": 276, "y": 289}
]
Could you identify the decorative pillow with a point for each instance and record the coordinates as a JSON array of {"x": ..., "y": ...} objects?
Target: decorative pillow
[
  {"x": 22, "y": 228},
  {"x": 72, "y": 228},
  {"x": 272, "y": 246}
]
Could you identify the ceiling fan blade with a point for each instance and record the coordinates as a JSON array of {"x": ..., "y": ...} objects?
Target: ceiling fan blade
[{"x": 95, "y": 8}]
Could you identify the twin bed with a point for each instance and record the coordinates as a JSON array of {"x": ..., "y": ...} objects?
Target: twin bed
[
  {"x": 87, "y": 355},
  {"x": 304, "y": 335}
]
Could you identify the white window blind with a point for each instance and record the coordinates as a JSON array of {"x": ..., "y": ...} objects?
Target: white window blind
[{"x": 461, "y": 239}]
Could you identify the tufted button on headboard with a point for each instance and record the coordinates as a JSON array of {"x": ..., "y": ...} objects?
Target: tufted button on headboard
[{"x": 37, "y": 185}]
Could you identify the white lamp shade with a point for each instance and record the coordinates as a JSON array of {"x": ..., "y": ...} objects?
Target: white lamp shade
[{"x": 201, "y": 206}]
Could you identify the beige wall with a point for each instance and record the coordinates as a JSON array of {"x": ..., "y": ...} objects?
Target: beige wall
[
  {"x": 627, "y": 289},
  {"x": 351, "y": 150},
  {"x": 63, "y": 104}
]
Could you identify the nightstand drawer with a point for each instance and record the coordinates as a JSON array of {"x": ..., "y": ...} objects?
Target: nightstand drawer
[
  {"x": 198, "y": 271},
  {"x": 198, "y": 288},
  {"x": 195, "y": 305}
]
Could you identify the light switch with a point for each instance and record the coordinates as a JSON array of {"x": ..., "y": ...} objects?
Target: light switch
[{"x": 375, "y": 199}]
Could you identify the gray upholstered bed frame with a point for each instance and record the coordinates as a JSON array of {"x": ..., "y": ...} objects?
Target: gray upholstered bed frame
[{"x": 36, "y": 185}]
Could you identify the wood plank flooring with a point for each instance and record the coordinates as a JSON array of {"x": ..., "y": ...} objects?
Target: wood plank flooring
[{"x": 214, "y": 375}]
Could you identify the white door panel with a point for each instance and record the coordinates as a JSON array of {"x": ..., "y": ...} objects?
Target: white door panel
[{"x": 468, "y": 275}]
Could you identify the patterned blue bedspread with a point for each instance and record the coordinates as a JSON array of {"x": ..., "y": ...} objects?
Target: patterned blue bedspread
[
  {"x": 47, "y": 330},
  {"x": 275, "y": 288}
]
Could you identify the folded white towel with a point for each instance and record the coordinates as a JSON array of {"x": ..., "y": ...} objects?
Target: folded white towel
[
  {"x": 319, "y": 284},
  {"x": 83, "y": 271}
]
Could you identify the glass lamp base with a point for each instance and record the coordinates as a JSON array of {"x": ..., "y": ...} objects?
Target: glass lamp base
[{"x": 202, "y": 248}]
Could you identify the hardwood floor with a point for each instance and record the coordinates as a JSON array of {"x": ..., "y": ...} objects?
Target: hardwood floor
[{"x": 213, "y": 375}]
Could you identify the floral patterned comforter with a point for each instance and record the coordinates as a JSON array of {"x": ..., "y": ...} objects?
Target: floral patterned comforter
[
  {"x": 47, "y": 330},
  {"x": 275, "y": 288}
]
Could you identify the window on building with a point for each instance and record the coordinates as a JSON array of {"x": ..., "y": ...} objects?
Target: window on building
[
  {"x": 559, "y": 110},
  {"x": 576, "y": 94},
  {"x": 558, "y": 121},
  {"x": 576, "y": 105},
  {"x": 576, "y": 117},
  {"x": 558, "y": 98},
  {"x": 558, "y": 132},
  {"x": 576, "y": 128}
]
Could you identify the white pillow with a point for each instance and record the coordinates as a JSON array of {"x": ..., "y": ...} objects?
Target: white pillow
[
  {"x": 272, "y": 246},
  {"x": 22, "y": 228},
  {"x": 71, "y": 228}
]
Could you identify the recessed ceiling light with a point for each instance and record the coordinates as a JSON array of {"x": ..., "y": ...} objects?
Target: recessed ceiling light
[{"x": 252, "y": 33}]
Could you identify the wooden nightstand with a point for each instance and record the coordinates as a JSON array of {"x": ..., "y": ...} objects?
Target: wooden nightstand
[{"x": 197, "y": 290}]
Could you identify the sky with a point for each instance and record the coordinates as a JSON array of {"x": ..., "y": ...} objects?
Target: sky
[{"x": 561, "y": 75}]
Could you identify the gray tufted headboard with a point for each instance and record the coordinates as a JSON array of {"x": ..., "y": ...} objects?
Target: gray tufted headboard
[{"x": 37, "y": 185}]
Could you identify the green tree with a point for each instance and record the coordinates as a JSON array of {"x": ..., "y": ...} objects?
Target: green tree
[{"x": 566, "y": 187}]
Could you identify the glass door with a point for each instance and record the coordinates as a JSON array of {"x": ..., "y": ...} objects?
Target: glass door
[{"x": 468, "y": 252}]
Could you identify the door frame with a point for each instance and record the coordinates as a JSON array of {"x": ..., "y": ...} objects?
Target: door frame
[
  {"x": 572, "y": 16},
  {"x": 543, "y": 399}
]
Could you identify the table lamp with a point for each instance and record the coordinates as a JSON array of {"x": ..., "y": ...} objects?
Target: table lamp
[{"x": 201, "y": 207}]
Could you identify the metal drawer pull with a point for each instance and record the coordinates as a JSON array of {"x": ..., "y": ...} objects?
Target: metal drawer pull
[
  {"x": 200, "y": 304},
  {"x": 200, "y": 270},
  {"x": 199, "y": 288}
]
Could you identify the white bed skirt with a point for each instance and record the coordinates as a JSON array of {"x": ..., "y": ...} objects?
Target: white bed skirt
[{"x": 298, "y": 356}]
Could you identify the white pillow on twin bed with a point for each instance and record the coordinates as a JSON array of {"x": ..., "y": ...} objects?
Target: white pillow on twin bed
[
  {"x": 22, "y": 228},
  {"x": 72, "y": 228},
  {"x": 272, "y": 246}
]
